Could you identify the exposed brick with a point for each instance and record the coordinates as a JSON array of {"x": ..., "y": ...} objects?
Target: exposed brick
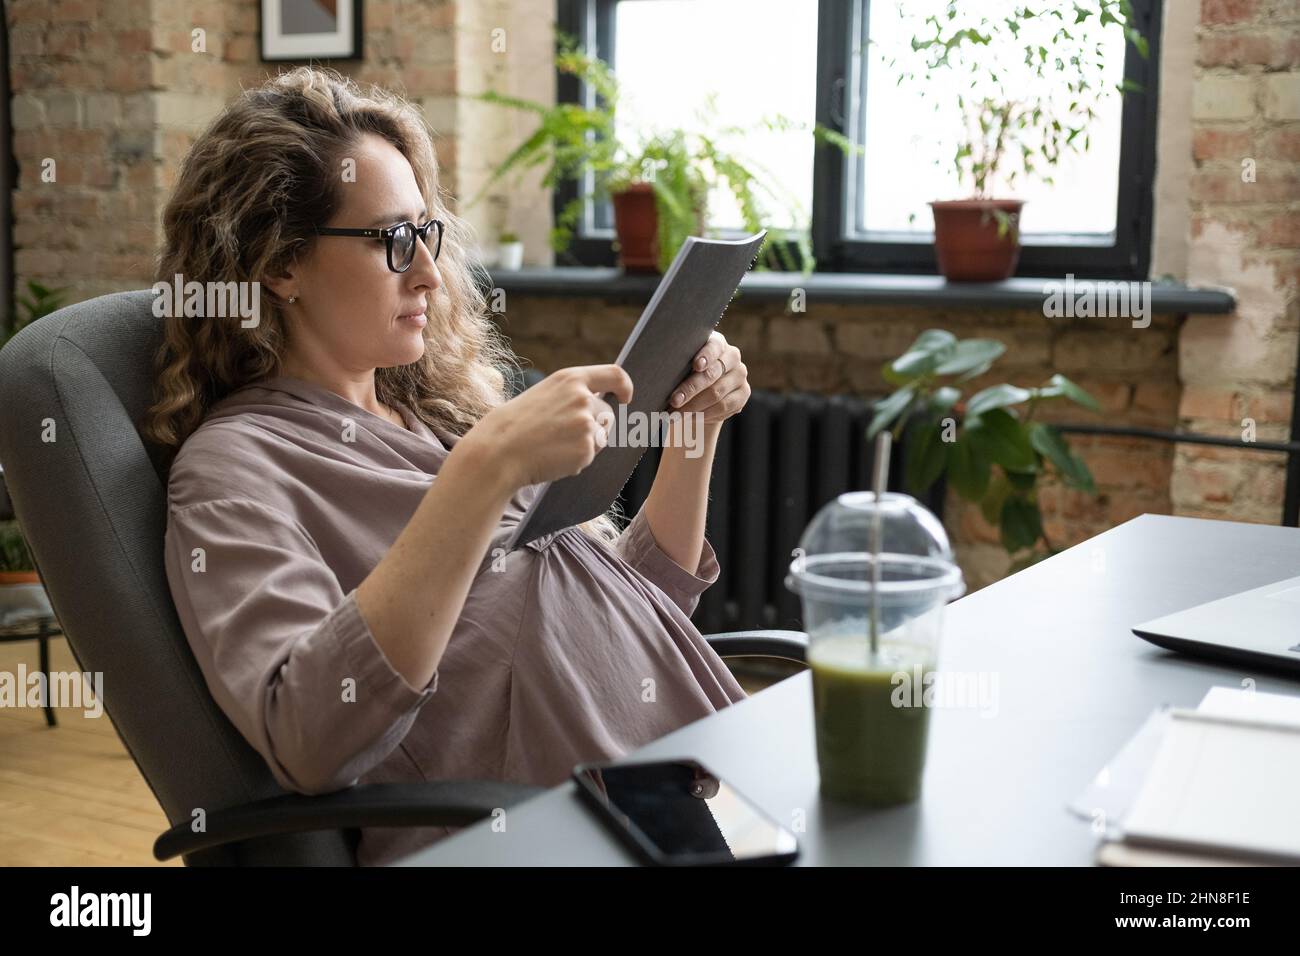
[
  {"x": 1125, "y": 506},
  {"x": 244, "y": 48},
  {"x": 1230, "y": 144},
  {"x": 1281, "y": 143},
  {"x": 1267, "y": 407},
  {"x": 1115, "y": 350},
  {"x": 64, "y": 41},
  {"x": 103, "y": 109},
  {"x": 970, "y": 522},
  {"x": 768, "y": 371},
  {"x": 28, "y": 112},
  {"x": 525, "y": 322},
  {"x": 815, "y": 373},
  {"x": 863, "y": 378},
  {"x": 379, "y": 15},
  {"x": 1272, "y": 50},
  {"x": 608, "y": 327},
  {"x": 878, "y": 341},
  {"x": 1274, "y": 182},
  {"x": 1199, "y": 402},
  {"x": 1160, "y": 399},
  {"x": 744, "y": 332},
  {"x": 1126, "y": 464},
  {"x": 1223, "y": 98},
  {"x": 77, "y": 11},
  {"x": 1220, "y": 12},
  {"x": 1204, "y": 482},
  {"x": 128, "y": 75},
  {"x": 64, "y": 109},
  {"x": 1282, "y": 230},
  {"x": 1281, "y": 96},
  {"x": 133, "y": 41},
  {"x": 802, "y": 335}
]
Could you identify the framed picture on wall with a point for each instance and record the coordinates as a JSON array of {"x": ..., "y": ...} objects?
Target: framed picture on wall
[{"x": 311, "y": 29}]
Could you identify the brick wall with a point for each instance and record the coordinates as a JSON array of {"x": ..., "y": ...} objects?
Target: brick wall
[
  {"x": 114, "y": 91},
  {"x": 1244, "y": 203}
]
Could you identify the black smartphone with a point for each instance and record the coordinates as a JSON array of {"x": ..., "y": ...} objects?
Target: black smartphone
[{"x": 678, "y": 813}]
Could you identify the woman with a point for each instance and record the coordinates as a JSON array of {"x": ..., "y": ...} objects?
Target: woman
[{"x": 347, "y": 468}]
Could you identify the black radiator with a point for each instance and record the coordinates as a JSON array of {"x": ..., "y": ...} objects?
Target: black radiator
[{"x": 783, "y": 457}]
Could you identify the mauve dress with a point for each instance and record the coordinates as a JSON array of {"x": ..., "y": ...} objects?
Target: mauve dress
[{"x": 566, "y": 650}]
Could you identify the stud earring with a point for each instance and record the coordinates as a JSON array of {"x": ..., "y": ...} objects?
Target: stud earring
[{"x": 293, "y": 299}]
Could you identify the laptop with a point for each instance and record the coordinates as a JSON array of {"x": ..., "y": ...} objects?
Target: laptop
[{"x": 1260, "y": 627}]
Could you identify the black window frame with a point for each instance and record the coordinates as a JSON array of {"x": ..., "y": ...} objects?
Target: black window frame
[
  {"x": 592, "y": 23},
  {"x": 839, "y": 26}
]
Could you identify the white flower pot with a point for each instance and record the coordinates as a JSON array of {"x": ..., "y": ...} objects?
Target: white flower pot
[
  {"x": 510, "y": 255},
  {"x": 20, "y": 603}
]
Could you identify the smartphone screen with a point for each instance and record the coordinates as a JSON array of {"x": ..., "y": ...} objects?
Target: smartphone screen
[{"x": 678, "y": 813}]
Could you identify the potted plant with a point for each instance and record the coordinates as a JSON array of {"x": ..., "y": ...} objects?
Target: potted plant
[
  {"x": 510, "y": 251},
  {"x": 22, "y": 596},
  {"x": 658, "y": 202},
  {"x": 16, "y": 565},
  {"x": 657, "y": 186},
  {"x": 988, "y": 445},
  {"x": 1015, "y": 120},
  {"x": 20, "y": 586}
]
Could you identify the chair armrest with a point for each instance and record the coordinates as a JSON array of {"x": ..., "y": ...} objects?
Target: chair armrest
[
  {"x": 787, "y": 645},
  {"x": 437, "y": 803}
]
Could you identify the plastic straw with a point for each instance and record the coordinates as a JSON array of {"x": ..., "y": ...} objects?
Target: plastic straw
[{"x": 883, "y": 444}]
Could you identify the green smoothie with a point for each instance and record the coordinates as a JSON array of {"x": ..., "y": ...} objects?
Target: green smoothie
[{"x": 869, "y": 749}]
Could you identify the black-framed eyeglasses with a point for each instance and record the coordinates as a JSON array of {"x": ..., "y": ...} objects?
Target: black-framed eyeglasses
[{"x": 399, "y": 240}]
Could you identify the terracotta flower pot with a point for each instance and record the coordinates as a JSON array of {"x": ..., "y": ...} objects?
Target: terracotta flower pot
[
  {"x": 966, "y": 240},
  {"x": 636, "y": 223},
  {"x": 19, "y": 577}
]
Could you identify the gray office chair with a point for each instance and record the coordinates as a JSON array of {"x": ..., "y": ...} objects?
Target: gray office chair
[{"x": 92, "y": 503}]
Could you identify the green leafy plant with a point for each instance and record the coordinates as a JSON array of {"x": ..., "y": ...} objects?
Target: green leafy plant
[
  {"x": 508, "y": 236},
  {"x": 569, "y": 138},
  {"x": 681, "y": 166},
  {"x": 14, "y": 555},
  {"x": 988, "y": 445},
  {"x": 1015, "y": 121},
  {"x": 39, "y": 302}
]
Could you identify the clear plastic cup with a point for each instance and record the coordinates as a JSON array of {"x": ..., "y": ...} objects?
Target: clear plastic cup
[{"x": 870, "y": 705}]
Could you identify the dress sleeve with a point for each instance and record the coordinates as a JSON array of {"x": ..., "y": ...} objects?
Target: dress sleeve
[
  {"x": 286, "y": 654},
  {"x": 638, "y": 547}
]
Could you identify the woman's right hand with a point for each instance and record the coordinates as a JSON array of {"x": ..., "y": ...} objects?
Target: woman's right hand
[{"x": 553, "y": 429}]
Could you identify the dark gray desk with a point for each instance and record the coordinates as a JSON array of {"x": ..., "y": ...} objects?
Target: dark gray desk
[{"x": 1074, "y": 684}]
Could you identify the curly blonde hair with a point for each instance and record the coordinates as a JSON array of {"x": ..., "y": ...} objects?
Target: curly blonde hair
[{"x": 249, "y": 193}]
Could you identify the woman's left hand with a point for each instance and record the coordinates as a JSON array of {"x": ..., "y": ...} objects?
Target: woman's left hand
[{"x": 718, "y": 386}]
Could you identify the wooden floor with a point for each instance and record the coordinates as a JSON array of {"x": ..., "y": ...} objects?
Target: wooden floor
[{"x": 70, "y": 795}]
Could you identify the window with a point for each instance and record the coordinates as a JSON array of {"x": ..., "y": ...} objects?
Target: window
[{"x": 805, "y": 59}]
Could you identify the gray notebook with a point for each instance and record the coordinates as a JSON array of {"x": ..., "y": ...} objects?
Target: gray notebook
[{"x": 684, "y": 310}]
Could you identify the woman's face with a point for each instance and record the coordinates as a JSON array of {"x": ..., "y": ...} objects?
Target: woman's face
[{"x": 353, "y": 314}]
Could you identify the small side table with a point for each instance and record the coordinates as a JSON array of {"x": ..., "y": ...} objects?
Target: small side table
[{"x": 38, "y": 629}]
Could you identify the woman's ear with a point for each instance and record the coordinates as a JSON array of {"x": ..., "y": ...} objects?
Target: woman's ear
[{"x": 283, "y": 286}]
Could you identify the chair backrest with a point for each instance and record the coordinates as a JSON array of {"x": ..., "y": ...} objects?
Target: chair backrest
[{"x": 92, "y": 504}]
